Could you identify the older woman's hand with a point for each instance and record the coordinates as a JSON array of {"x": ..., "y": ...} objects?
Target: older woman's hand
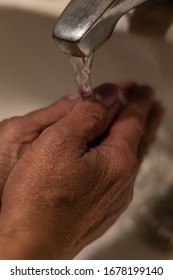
[{"x": 69, "y": 171}]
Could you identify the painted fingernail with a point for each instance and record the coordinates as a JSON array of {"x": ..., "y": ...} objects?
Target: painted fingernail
[
  {"x": 73, "y": 96},
  {"x": 108, "y": 94}
]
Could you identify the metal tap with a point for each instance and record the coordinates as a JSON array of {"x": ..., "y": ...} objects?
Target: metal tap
[{"x": 87, "y": 24}]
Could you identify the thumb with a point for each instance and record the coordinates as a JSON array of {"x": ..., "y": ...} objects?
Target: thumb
[{"x": 88, "y": 119}]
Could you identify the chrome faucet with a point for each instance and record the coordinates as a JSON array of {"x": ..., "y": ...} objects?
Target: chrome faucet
[{"x": 87, "y": 24}]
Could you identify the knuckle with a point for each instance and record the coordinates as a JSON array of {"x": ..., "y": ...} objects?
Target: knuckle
[
  {"x": 60, "y": 138},
  {"x": 59, "y": 133},
  {"x": 53, "y": 135}
]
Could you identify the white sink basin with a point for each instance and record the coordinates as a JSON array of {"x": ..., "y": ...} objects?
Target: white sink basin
[{"x": 33, "y": 73}]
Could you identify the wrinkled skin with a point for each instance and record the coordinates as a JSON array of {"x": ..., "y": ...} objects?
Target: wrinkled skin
[{"x": 63, "y": 180}]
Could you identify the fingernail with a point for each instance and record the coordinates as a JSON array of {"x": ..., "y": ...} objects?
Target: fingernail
[
  {"x": 73, "y": 96},
  {"x": 108, "y": 94}
]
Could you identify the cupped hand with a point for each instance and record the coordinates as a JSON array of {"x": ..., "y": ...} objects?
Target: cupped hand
[
  {"x": 73, "y": 167},
  {"x": 18, "y": 133}
]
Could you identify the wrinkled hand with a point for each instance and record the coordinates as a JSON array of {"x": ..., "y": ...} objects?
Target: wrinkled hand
[
  {"x": 18, "y": 133},
  {"x": 68, "y": 171}
]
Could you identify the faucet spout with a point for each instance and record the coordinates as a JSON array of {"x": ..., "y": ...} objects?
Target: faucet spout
[{"x": 85, "y": 25}]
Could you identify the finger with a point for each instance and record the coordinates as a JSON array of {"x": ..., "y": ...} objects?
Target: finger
[
  {"x": 16, "y": 133},
  {"x": 152, "y": 124},
  {"x": 90, "y": 118},
  {"x": 28, "y": 127},
  {"x": 128, "y": 128},
  {"x": 49, "y": 115},
  {"x": 46, "y": 116}
]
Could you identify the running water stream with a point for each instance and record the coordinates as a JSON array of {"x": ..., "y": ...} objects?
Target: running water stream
[{"x": 82, "y": 69}]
